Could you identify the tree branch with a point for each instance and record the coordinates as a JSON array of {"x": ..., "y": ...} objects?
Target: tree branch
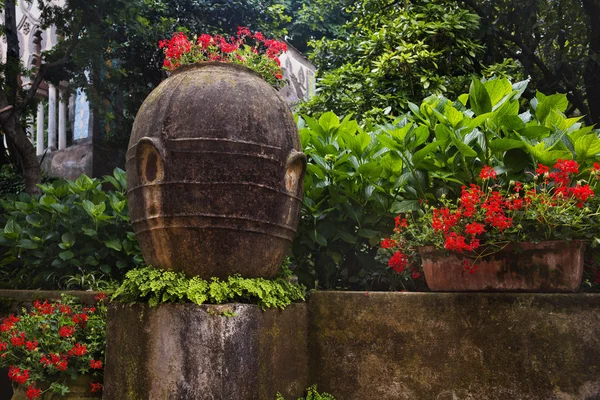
[
  {"x": 576, "y": 96},
  {"x": 44, "y": 68}
]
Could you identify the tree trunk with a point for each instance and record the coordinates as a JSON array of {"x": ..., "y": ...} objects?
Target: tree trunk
[
  {"x": 26, "y": 152},
  {"x": 591, "y": 74},
  {"x": 11, "y": 99}
]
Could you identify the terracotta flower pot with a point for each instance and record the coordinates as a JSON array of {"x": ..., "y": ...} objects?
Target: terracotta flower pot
[
  {"x": 214, "y": 173},
  {"x": 552, "y": 266}
]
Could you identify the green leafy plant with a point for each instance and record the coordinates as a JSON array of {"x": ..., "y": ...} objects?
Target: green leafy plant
[
  {"x": 156, "y": 286},
  {"x": 352, "y": 190},
  {"x": 261, "y": 56},
  {"x": 311, "y": 394},
  {"x": 444, "y": 144},
  {"x": 48, "y": 348},
  {"x": 75, "y": 235}
]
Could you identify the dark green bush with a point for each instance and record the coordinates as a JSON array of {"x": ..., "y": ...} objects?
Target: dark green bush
[
  {"x": 352, "y": 190},
  {"x": 10, "y": 181},
  {"x": 74, "y": 236}
]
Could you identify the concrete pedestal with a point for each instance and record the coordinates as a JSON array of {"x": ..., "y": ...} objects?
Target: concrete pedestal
[{"x": 185, "y": 351}]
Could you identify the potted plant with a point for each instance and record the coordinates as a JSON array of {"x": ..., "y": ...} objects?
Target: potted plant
[
  {"x": 57, "y": 348},
  {"x": 214, "y": 165},
  {"x": 512, "y": 237}
]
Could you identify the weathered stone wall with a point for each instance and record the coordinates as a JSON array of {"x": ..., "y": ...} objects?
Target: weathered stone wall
[
  {"x": 83, "y": 157},
  {"x": 185, "y": 351},
  {"x": 455, "y": 346}
]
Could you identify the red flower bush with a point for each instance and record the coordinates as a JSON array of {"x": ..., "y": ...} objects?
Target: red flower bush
[
  {"x": 246, "y": 48},
  {"x": 53, "y": 343},
  {"x": 485, "y": 218}
]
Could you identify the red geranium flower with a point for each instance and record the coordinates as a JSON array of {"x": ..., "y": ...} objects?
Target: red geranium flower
[{"x": 487, "y": 172}]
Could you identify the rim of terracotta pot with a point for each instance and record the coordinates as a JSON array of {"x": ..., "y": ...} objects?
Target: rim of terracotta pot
[
  {"x": 523, "y": 245},
  {"x": 203, "y": 64}
]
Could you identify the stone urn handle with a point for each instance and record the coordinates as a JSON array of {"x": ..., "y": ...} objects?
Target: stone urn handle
[
  {"x": 295, "y": 169},
  {"x": 150, "y": 155}
]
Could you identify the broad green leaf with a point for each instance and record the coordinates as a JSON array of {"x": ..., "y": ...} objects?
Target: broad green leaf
[
  {"x": 66, "y": 255},
  {"x": 313, "y": 125},
  {"x": 404, "y": 206},
  {"x": 311, "y": 169},
  {"x": 369, "y": 233},
  {"x": 479, "y": 98},
  {"x": 520, "y": 87},
  {"x": 502, "y": 145},
  {"x": 546, "y": 104},
  {"x": 480, "y": 119},
  {"x": 12, "y": 227},
  {"x": 516, "y": 159},
  {"x": 329, "y": 122},
  {"x": 420, "y": 135},
  {"x": 587, "y": 147},
  {"x": 420, "y": 155},
  {"x": 464, "y": 149},
  {"x": 535, "y": 131},
  {"x": 372, "y": 169},
  {"x": 27, "y": 244},
  {"x": 510, "y": 123},
  {"x": 497, "y": 89},
  {"x": 34, "y": 220},
  {"x": 68, "y": 239},
  {"x": 114, "y": 244}
]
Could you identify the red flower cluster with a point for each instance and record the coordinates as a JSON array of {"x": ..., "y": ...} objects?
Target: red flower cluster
[
  {"x": 78, "y": 350},
  {"x": 66, "y": 331},
  {"x": 80, "y": 319},
  {"x": 8, "y": 323},
  {"x": 17, "y": 339},
  {"x": 33, "y": 393},
  {"x": 59, "y": 362},
  {"x": 398, "y": 262},
  {"x": 95, "y": 364},
  {"x": 487, "y": 172},
  {"x": 560, "y": 179},
  {"x": 31, "y": 345},
  {"x": 44, "y": 308},
  {"x": 95, "y": 387},
  {"x": 18, "y": 375},
  {"x": 180, "y": 50}
]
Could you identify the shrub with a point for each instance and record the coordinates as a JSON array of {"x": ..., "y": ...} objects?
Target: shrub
[
  {"x": 352, "y": 190},
  {"x": 444, "y": 144},
  {"x": 51, "y": 346},
  {"x": 74, "y": 236}
]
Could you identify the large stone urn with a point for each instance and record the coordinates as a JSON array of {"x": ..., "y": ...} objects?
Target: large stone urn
[{"x": 214, "y": 173}]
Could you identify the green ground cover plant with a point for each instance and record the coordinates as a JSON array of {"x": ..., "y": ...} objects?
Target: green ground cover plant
[
  {"x": 156, "y": 286},
  {"x": 311, "y": 394},
  {"x": 74, "y": 236}
]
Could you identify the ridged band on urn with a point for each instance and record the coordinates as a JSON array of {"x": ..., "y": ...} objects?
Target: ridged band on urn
[{"x": 215, "y": 173}]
